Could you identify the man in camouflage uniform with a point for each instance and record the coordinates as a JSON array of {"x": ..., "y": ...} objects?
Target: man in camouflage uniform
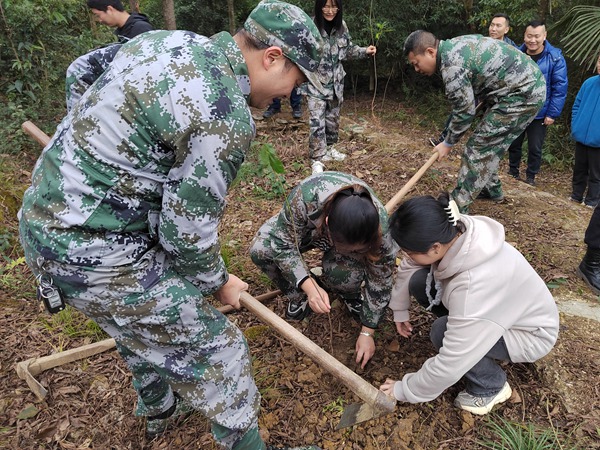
[
  {"x": 126, "y": 199},
  {"x": 507, "y": 82},
  {"x": 278, "y": 246}
]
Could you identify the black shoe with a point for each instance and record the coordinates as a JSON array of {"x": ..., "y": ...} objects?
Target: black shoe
[
  {"x": 589, "y": 269},
  {"x": 514, "y": 174},
  {"x": 297, "y": 309},
  {"x": 297, "y": 113},
  {"x": 530, "y": 181},
  {"x": 270, "y": 112}
]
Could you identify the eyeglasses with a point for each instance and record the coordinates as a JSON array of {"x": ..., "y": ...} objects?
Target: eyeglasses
[{"x": 332, "y": 9}]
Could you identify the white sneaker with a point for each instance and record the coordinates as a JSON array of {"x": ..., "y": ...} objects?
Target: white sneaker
[
  {"x": 333, "y": 155},
  {"x": 317, "y": 167},
  {"x": 482, "y": 405}
]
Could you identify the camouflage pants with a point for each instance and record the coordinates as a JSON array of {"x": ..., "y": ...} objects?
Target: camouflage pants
[
  {"x": 324, "y": 119},
  {"x": 342, "y": 274},
  {"x": 498, "y": 128},
  {"x": 171, "y": 339}
]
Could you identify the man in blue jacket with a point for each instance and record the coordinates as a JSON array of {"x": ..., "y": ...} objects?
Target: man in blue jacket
[{"x": 553, "y": 66}]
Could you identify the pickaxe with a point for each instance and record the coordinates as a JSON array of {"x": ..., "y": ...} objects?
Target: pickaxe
[
  {"x": 28, "y": 369},
  {"x": 376, "y": 402}
]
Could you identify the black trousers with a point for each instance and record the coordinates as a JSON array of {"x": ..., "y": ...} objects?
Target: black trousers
[
  {"x": 586, "y": 174},
  {"x": 592, "y": 233}
]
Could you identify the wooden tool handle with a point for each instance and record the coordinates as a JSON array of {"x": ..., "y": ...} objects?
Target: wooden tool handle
[
  {"x": 38, "y": 365},
  {"x": 354, "y": 382},
  {"x": 38, "y": 135},
  {"x": 391, "y": 205}
]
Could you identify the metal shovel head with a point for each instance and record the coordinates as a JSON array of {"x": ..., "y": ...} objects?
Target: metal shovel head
[{"x": 357, "y": 413}]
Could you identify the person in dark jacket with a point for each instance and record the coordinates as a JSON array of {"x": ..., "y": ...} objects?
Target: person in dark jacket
[
  {"x": 586, "y": 132},
  {"x": 113, "y": 14},
  {"x": 553, "y": 66}
]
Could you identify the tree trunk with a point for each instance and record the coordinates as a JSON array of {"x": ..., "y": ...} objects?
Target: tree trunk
[
  {"x": 134, "y": 6},
  {"x": 231, "y": 11},
  {"x": 169, "y": 14},
  {"x": 468, "y": 13},
  {"x": 544, "y": 9}
]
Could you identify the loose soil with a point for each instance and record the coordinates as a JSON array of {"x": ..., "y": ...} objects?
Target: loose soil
[{"x": 90, "y": 403}]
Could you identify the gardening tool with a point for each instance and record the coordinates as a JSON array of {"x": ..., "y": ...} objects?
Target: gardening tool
[
  {"x": 28, "y": 369},
  {"x": 391, "y": 205},
  {"x": 376, "y": 402},
  {"x": 38, "y": 135}
]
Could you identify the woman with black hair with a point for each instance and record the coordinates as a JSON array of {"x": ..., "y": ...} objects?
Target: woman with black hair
[
  {"x": 491, "y": 304},
  {"x": 325, "y": 109},
  {"x": 340, "y": 215}
]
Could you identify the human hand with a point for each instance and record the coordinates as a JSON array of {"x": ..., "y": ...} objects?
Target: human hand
[
  {"x": 229, "y": 293},
  {"x": 371, "y": 50},
  {"x": 388, "y": 387},
  {"x": 548, "y": 121},
  {"x": 318, "y": 299},
  {"x": 404, "y": 329},
  {"x": 443, "y": 150},
  {"x": 365, "y": 349}
]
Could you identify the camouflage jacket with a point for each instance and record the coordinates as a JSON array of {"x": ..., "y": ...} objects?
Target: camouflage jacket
[
  {"x": 480, "y": 67},
  {"x": 145, "y": 158},
  {"x": 337, "y": 47},
  {"x": 296, "y": 231},
  {"x": 85, "y": 70}
]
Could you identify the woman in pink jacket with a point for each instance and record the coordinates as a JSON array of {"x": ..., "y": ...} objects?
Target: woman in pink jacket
[{"x": 491, "y": 304}]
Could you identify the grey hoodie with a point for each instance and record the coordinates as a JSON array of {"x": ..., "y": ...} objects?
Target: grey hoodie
[{"x": 490, "y": 291}]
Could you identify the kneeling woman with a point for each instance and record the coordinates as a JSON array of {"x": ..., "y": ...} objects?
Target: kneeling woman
[
  {"x": 491, "y": 304},
  {"x": 340, "y": 215}
]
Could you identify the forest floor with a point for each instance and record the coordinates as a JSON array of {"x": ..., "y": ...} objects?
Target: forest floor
[{"x": 90, "y": 403}]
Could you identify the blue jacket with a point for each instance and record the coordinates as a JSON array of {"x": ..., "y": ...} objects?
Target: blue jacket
[
  {"x": 554, "y": 67},
  {"x": 585, "y": 127}
]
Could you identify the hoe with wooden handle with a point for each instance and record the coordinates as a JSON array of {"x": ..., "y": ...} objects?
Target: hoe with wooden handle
[
  {"x": 28, "y": 369},
  {"x": 376, "y": 403}
]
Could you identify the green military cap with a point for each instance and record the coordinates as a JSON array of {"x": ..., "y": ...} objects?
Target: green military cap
[{"x": 286, "y": 26}]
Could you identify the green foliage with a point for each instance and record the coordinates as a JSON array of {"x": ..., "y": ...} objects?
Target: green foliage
[
  {"x": 336, "y": 406},
  {"x": 517, "y": 436},
  {"x": 580, "y": 34},
  {"x": 264, "y": 171},
  {"x": 73, "y": 324}
]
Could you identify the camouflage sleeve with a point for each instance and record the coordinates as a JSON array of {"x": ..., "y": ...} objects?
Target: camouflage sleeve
[
  {"x": 286, "y": 238},
  {"x": 378, "y": 286},
  {"x": 86, "y": 69},
  {"x": 462, "y": 98},
  {"x": 193, "y": 200},
  {"x": 353, "y": 51}
]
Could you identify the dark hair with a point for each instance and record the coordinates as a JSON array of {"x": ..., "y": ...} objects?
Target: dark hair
[
  {"x": 419, "y": 41},
  {"x": 536, "y": 23},
  {"x": 504, "y": 16},
  {"x": 320, "y": 20},
  {"x": 421, "y": 222},
  {"x": 102, "y": 5},
  {"x": 353, "y": 218}
]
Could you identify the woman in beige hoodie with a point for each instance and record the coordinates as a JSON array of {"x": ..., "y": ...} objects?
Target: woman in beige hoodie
[{"x": 491, "y": 304}]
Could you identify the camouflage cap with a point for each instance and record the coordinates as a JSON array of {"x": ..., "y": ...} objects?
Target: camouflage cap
[{"x": 288, "y": 27}]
